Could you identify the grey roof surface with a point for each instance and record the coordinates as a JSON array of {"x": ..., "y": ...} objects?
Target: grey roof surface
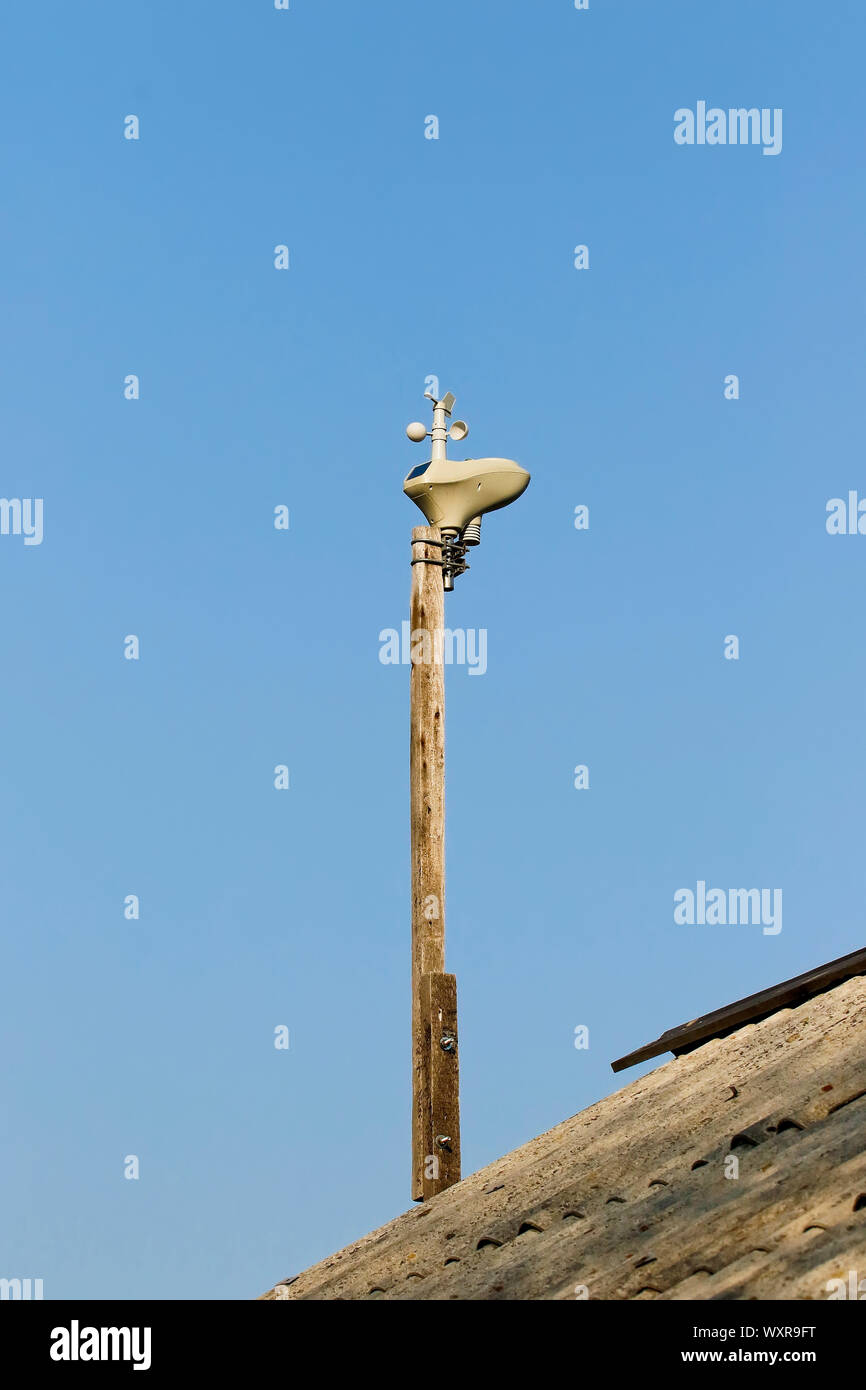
[{"x": 629, "y": 1198}]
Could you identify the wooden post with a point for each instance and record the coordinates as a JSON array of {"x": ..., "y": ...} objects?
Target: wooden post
[
  {"x": 441, "y": 1076},
  {"x": 432, "y": 1167}
]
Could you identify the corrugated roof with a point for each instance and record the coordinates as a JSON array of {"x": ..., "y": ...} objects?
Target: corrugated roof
[{"x": 630, "y": 1198}]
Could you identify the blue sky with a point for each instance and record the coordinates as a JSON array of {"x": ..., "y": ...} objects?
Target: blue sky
[{"x": 409, "y": 257}]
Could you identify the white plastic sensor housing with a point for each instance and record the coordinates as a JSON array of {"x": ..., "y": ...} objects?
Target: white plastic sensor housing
[{"x": 452, "y": 493}]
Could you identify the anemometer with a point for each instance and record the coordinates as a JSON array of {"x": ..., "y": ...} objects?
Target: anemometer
[{"x": 454, "y": 495}]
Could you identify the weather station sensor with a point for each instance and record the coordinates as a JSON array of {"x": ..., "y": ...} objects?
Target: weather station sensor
[{"x": 454, "y": 494}]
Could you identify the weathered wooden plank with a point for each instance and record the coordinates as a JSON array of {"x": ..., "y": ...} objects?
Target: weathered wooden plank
[
  {"x": 427, "y": 798},
  {"x": 748, "y": 1010},
  {"x": 439, "y": 1020}
]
